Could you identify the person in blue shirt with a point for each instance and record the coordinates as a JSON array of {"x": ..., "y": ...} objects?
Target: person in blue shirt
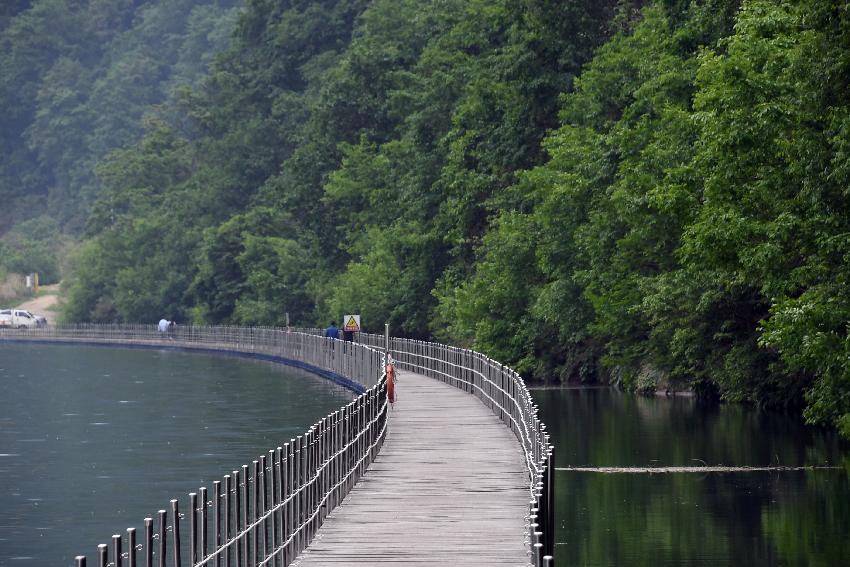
[{"x": 332, "y": 332}]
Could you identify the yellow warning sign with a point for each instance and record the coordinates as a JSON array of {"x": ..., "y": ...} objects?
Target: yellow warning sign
[{"x": 351, "y": 323}]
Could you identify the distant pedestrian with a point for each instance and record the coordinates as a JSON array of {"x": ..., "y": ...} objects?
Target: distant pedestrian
[
  {"x": 163, "y": 325},
  {"x": 332, "y": 332},
  {"x": 347, "y": 337},
  {"x": 392, "y": 378}
]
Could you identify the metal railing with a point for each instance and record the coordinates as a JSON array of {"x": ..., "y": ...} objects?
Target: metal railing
[
  {"x": 502, "y": 390},
  {"x": 265, "y": 513},
  {"x": 358, "y": 368}
]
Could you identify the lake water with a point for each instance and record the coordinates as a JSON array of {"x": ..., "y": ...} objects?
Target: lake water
[
  {"x": 93, "y": 440},
  {"x": 739, "y": 518}
]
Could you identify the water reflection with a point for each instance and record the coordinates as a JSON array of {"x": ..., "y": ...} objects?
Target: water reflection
[
  {"x": 92, "y": 440},
  {"x": 742, "y": 518}
]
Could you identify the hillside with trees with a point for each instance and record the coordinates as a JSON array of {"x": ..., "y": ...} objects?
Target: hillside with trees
[
  {"x": 651, "y": 194},
  {"x": 77, "y": 81}
]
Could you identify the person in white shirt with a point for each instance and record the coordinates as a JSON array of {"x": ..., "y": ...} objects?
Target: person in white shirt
[{"x": 163, "y": 325}]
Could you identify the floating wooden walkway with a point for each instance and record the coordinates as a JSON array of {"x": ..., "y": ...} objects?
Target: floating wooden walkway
[{"x": 449, "y": 487}]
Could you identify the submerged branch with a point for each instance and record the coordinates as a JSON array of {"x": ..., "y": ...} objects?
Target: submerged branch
[{"x": 701, "y": 469}]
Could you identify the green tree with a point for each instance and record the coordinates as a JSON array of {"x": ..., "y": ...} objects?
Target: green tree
[
  {"x": 773, "y": 111},
  {"x": 33, "y": 246}
]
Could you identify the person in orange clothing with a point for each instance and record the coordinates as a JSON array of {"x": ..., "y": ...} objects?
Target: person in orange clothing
[{"x": 390, "y": 380}]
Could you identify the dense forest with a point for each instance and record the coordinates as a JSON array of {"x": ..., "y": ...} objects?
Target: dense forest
[
  {"x": 652, "y": 194},
  {"x": 78, "y": 79}
]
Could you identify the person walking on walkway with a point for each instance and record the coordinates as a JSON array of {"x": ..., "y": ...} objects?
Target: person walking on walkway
[
  {"x": 391, "y": 380},
  {"x": 332, "y": 332}
]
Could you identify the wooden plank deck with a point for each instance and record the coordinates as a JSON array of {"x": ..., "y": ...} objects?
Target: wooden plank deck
[{"x": 448, "y": 488}]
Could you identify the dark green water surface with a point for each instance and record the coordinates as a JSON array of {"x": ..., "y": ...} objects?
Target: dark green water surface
[
  {"x": 93, "y": 440},
  {"x": 735, "y": 518}
]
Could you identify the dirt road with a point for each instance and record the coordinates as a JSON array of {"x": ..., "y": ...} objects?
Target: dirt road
[{"x": 43, "y": 302}]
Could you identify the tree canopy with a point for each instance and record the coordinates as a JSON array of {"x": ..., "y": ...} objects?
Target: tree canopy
[{"x": 651, "y": 193}]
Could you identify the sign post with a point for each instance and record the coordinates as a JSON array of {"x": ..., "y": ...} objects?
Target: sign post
[{"x": 351, "y": 324}]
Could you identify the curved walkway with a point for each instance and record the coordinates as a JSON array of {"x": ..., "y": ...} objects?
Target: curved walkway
[{"x": 447, "y": 488}]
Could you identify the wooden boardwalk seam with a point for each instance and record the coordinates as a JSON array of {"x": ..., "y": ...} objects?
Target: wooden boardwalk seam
[{"x": 449, "y": 487}]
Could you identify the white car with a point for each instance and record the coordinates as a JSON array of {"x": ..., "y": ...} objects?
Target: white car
[{"x": 21, "y": 319}]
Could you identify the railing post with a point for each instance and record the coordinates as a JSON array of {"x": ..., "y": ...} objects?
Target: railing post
[
  {"x": 271, "y": 482},
  {"x": 286, "y": 486},
  {"x": 116, "y": 550},
  {"x": 254, "y": 536},
  {"x": 217, "y": 520},
  {"x": 226, "y": 523},
  {"x": 131, "y": 547},
  {"x": 237, "y": 515},
  {"x": 310, "y": 479},
  {"x": 550, "y": 496},
  {"x": 297, "y": 494},
  {"x": 193, "y": 528},
  {"x": 320, "y": 465},
  {"x": 537, "y": 553},
  {"x": 283, "y": 484},
  {"x": 307, "y": 485},
  {"x": 175, "y": 519},
  {"x": 148, "y": 542},
  {"x": 532, "y": 523},
  {"x": 349, "y": 458},
  {"x": 204, "y": 519},
  {"x": 244, "y": 537},
  {"x": 312, "y": 473},
  {"x": 162, "y": 535},
  {"x": 264, "y": 506}
]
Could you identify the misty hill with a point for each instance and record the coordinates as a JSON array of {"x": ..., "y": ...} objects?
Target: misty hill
[
  {"x": 647, "y": 193},
  {"x": 77, "y": 79}
]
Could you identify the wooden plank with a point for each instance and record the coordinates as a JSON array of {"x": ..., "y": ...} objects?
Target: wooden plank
[{"x": 449, "y": 487}]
